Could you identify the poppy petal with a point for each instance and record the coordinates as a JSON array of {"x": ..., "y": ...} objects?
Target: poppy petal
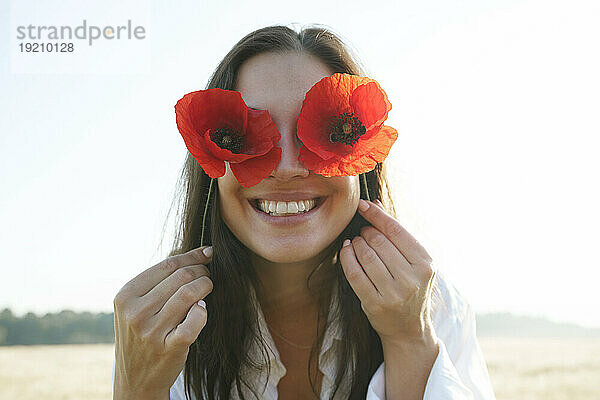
[
  {"x": 314, "y": 136},
  {"x": 333, "y": 167},
  {"x": 213, "y": 167},
  {"x": 326, "y": 99},
  {"x": 198, "y": 112},
  {"x": 312, "y": 161},
  {"x": 194, "y": 141},
  {"x": 370, "y": 104},
  {"x": 377, "y": 146},
  {"x": 217, "y": 108},
  {"x": 261, "y": 132},
  {"x": 365, "y": 157},
  {"x": 254, "y": 170}
]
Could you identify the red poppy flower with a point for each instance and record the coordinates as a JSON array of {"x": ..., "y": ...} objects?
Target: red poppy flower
[
  {"x": 218, "y": 127},
  {"x": 341, "y": 126}
]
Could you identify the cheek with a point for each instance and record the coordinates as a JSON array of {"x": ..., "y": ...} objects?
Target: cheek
[
  {"x": 230, "y": 199},
  {"x": 350, "y": 189},
  {"x": 347, "y": 194},
  {"x": 353, "y": 195}
]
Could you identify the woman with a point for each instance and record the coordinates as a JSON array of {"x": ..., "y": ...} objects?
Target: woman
[{"x": 282, "y": 304}]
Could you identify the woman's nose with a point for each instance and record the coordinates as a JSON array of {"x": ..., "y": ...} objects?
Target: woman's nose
[{"x": 289, "y": 166}]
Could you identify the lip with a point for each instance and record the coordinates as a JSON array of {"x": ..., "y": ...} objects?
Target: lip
[
  {"x": 286, "y": 196},
  {"x": 291, "y": 219}
]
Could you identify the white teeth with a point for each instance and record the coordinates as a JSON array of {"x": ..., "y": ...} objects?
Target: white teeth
[
  {"x": 279, "y": 208},
  {"x": 301, "y": 206},
  {"x": 292, "y": 207}
]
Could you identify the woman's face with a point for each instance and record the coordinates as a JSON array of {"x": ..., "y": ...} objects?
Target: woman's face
[{"x": 278, "y": 83}]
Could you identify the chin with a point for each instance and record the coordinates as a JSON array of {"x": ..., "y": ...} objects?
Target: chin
[{"x": 292, "y": 252}]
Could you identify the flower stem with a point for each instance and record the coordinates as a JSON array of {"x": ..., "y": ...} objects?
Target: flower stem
[
  {"x": 205, "y": 211},
  {"x": 364, "y": 181}
]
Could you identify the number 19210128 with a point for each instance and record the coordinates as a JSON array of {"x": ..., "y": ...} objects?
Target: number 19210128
[{"x": 46, "y": 47}]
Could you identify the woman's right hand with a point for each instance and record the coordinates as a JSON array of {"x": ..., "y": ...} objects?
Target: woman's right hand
[{"x": 157, "y": 318}]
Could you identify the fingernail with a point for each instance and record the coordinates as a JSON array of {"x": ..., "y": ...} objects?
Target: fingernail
[
  {"x": 202, "y": 303},
  {"x": 346, "y": 243},
  {"x": 363, "y": 205},
  {"x": 208, "y": 252}
]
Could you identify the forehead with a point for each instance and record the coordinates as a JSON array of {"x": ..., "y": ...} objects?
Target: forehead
[{"x": 271, "y": 79}]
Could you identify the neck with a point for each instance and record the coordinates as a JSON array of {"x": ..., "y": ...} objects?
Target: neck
[{"x": 284, "y": 290}]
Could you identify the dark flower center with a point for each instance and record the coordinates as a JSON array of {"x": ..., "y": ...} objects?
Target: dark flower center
[
  {"x": 346, "y": 128},
  {"x": 227, "y": 138}
]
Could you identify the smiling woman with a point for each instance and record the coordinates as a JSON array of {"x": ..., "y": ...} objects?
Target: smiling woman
[
  {"x": 306, "y": 290},
  {"x": 278, "y": 82}
]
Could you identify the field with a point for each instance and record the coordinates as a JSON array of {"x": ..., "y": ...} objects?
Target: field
[
  {"x": 532, "y": 369},
  {"x": 548, "y": 369}
]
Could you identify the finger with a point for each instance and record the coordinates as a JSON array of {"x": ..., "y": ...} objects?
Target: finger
[
  {"x": 393, "y": 259},
  {"x": 402, "y": 240},
  {"x": 155, "y": 299},
  {"x": 145, "y": 281},
  {"x": 184, "y": 334},
  {"x": 359, "y": 281},
  {"x": 372, "y": 265},
  {"x": 176, "y": 307}
]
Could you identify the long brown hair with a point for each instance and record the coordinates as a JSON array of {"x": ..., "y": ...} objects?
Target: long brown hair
[{"x": 215, "y": 359}]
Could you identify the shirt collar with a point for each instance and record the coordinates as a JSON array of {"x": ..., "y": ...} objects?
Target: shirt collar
[{"x": 267, "y": 384}]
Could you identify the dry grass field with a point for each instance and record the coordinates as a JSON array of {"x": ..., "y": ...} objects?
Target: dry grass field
[
  {"x": 531, "y": 369},
  {"x": 543, "y": 369},
  {"x": 57, "y": 372}
]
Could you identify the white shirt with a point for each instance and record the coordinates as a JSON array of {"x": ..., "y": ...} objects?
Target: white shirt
[{"x": 459, "y": 371}]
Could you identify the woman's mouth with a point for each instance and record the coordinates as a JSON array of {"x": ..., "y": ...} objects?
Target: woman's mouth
[
  {"x": 285, "y": 208},
  {"x": 276, "y": 208}
]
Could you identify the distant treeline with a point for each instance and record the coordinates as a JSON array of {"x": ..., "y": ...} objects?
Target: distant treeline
[
  {"x": 69, "y": 327},
  {"x": 65, "y": 327},
  {"x": 510, "y": 325}
]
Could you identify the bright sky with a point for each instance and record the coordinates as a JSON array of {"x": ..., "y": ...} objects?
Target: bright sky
[{"x": 495, "y": 169}]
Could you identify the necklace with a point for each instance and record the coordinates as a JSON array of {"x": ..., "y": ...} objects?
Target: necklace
[{"x": 289, "y": 342}]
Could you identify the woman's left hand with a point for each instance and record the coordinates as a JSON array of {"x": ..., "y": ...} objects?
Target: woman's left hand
[{"x": 392, "y": 275}]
